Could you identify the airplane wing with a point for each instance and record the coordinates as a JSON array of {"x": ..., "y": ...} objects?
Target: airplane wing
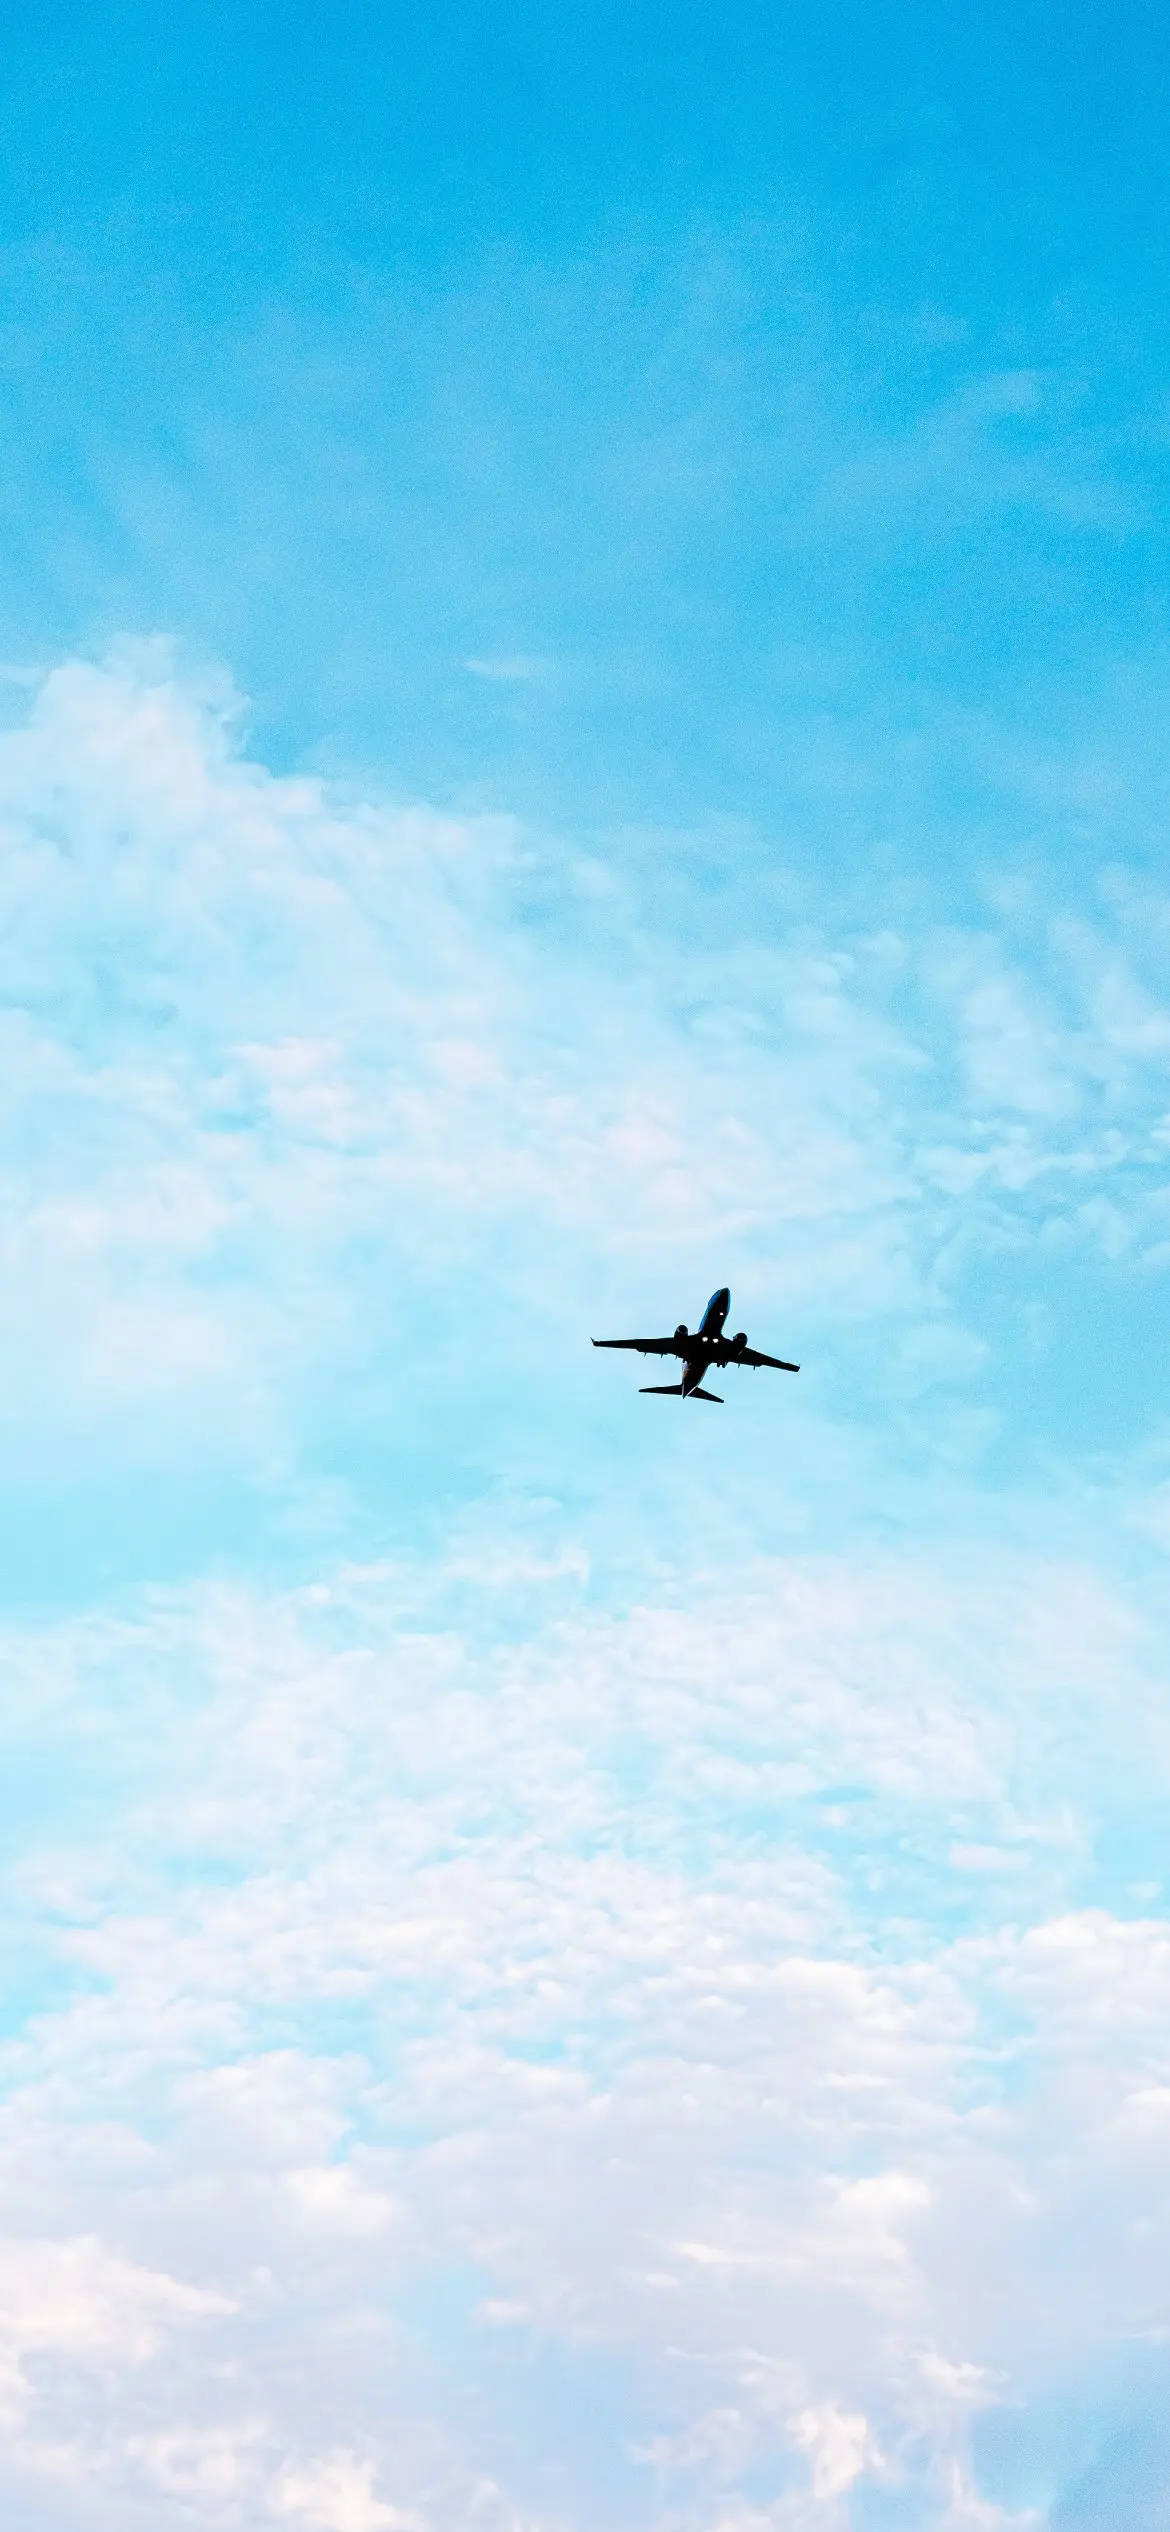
[
  {"x": 641, "y": 1344},
  {"x": 758, "y": 1362}
]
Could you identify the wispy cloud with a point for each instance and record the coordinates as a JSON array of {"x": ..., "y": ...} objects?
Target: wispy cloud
[{"x": 274, "y": 1050}]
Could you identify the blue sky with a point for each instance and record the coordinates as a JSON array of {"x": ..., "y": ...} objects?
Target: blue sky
[{"x": 583, "y": 697}]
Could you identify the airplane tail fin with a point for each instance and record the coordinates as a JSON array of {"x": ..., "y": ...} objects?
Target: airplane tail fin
[{"x": 709, "y": 1395}]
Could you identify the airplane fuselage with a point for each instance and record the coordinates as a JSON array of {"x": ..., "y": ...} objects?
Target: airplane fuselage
[
  {"x": 701, "y": 1346},
  {"x": 715, "y": 1313}
]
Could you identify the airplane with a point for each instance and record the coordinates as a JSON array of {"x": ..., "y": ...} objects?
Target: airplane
[{"x": 708, "y": 1347}]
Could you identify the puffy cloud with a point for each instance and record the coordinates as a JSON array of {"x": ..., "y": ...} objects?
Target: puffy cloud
[
  {"x": 335, "y": 2494},
  {"x": 425, "y": 2041},
  {"x": 839, "y": 2445}
]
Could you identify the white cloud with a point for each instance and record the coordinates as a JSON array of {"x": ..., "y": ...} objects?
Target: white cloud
[
  {"x": 394, "y": 1975},
  {"x": 335, "y": 2494},
  {"x": 206, "y": 2467},
  {"x": 333, "y": 2196},
  {"x": 79, "y": 2302},
  {"x": 839, "y": 2446}
]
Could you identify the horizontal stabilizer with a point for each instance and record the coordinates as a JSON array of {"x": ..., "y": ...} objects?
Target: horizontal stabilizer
[
  {"x": 664, "y": 1389},
  {"x": 709, "y": 1395}
]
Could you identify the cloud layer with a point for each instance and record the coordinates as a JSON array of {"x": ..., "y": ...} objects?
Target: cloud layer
[
  {"x": 655, "y": 2064},
  {"x": 564, "y": 1966}
]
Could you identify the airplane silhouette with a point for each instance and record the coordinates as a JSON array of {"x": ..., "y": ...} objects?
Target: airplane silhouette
[{"x": 707, "y": 1349}]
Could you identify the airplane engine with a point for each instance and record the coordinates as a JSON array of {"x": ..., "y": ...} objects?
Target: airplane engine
[
  {"x": 681, "y": 1331},
  {"x": 739, "y": 1341}
]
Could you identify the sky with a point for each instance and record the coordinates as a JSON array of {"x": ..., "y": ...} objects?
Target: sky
[{"x": 584, "y": 707}]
